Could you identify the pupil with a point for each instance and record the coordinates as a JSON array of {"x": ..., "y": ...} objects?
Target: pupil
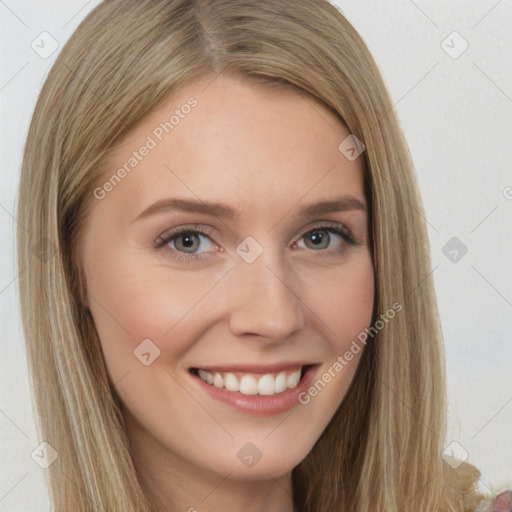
[
  {"x": 317, "y": 237},
  {"x": 188, "y": 240}
]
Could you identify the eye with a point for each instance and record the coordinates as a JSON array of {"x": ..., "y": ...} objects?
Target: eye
[
  {"x": 319, "y": 238},
  {"x": 183, "y": 242},
  {"x": 186, "y": 240}
]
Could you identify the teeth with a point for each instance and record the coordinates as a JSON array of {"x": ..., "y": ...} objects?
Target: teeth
[
  {"x": 281, "y": 383},
  {"x": 218, "y": 380},
  {"x": 266, "y": 385},
  {"x": 293, "y": 379},
  {"x": 206, "y": 376},
  {"x": 248, "y": 384},
  {"x": 231, "y": 382}
]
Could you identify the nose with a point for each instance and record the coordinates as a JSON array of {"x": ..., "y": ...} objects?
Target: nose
[{"x": 262, "y": 301}]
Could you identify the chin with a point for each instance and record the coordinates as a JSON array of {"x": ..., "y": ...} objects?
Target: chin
[{"x": 266, "y": 467}]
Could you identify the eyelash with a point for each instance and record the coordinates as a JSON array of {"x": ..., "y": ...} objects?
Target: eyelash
[{"x": 166, "y": 238}]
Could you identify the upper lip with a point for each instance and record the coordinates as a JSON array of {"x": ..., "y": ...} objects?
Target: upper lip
[{"x": 255, "y": 368}]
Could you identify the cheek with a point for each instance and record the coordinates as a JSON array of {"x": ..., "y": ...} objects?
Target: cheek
[
  {"x": 132, "y": 301},
  {"x": 343, "y": 308},
  {"x": 343, "y": 301}
]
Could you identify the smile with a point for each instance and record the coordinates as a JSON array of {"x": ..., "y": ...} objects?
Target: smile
[
  {"x": 248, "y": 383},
  {"x": 255, "y": 389}
]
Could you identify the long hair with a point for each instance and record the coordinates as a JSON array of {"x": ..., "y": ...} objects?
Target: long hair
[{"x": 382, "y": 450}]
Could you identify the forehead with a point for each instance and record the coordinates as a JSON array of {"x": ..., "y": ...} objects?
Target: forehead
[{"x": 235, "y": 142}]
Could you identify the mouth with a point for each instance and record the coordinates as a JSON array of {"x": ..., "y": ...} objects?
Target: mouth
[{"x": 241, "y": 381}]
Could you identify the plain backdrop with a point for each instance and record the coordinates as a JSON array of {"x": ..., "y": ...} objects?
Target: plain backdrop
[{"x": 453, "y": 95}]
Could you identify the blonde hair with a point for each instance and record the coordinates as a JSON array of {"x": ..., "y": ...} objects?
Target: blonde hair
[{"x": 382, "y": 449}]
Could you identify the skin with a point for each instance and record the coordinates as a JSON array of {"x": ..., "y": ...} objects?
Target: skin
[
  {"x": 502, "y": 503},
  {"x": 265, "y": 153}
]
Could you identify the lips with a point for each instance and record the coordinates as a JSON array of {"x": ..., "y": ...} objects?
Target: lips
[{"x": 257, "y": 404}]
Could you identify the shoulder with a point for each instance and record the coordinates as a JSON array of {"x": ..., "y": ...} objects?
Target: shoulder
[{"x": 501, "y": 503}]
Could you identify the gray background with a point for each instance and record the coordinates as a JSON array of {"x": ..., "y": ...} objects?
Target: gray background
[{"x": 456, "y": 113}]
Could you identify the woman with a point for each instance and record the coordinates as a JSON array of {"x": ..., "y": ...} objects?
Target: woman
[{"x": 267, "y": 371}]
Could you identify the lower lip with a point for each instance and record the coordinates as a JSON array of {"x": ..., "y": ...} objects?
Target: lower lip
[{"x": 260, "y": 405}]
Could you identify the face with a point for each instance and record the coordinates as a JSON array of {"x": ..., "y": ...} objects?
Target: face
[{"x": 256, "y": 290}]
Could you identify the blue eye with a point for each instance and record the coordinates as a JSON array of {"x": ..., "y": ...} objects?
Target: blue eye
[{"x": 186, "y": 241}]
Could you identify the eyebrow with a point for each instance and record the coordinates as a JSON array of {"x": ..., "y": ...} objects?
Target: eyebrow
[{"x": 337, "y": 204}]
